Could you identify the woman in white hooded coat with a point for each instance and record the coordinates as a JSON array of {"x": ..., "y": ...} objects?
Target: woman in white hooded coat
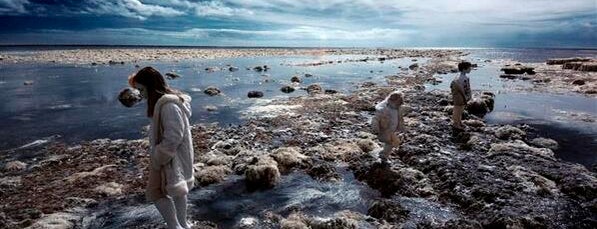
[{"x": 171, "y": 170}]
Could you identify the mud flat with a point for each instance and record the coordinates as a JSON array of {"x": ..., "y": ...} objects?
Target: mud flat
[{"x": 490, "y": 176}]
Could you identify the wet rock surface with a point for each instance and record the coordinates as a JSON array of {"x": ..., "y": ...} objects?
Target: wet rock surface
[{"x": 488, "y": 176}]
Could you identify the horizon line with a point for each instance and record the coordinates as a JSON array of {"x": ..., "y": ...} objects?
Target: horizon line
[{"x": 294, "y": 47}]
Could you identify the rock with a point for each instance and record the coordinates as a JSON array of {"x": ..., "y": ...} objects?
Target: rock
[
  {"x": 295, "y": 79},
  {"x": 314, "y": 89},
  {"x": 509, "y": 132},
  {"x": 248, "y": 223},
  {"x": 589, "y": 67},
  {"x": 578, "y": 82},
  {"x": 260, "y": 68},
  {"x": 545, "y": 143},
  {"x": 255, "y": 94},
  {"x": 232, "y": 69},
  {"x": 15, "y": 166},
  {"x": 368, "y": 84},
  {"x": 294, "y": 221},
  {"x": 80, "y": 202},
  {"x": 324, "y": 171},
  {"x": 172, "y": 75},
  {"x": 333, "y": 223},
  {"x": 389, "y": 210},
  {"x": 28, "y": 82},
  {"x": 212, "y": 174},
  {"x": 508, "y": 76},
  {"x": 59, "y": 220},
  {"x": 211, "y": 91},
  {"x": 228, "y": 147},
  {"x": 211, "y": 69},
  {"x": 96, "y": 172},
  {"x": 93, "y": 64},
  {"x": 477, "y": 107},
  {"x": 443, "y": 102},
  {"x": 518, "y": 69},
  {"x": 413, "y": 66},
  {"x": 109, "y": 189},
  {"x": 367, "y": 145},
  {"x": 330, "y": 91},
  {"x": 462, "y": 224},
  {"x": 474, "y": 123},
  {"x": 287, "y": 89},
  {"x": 566, "y": 60},
  {"x": 128, "y": 97},
  {"x": 572, "y": 65},
  {"x": 288, "y": 157},
  {"x": 341, "y": 150},
  {"x": 215, "y": 157},
  {"x": 263, "y": 175},
  {"x": 210, "y": 108},
  {"x": 518, "y": 148}
]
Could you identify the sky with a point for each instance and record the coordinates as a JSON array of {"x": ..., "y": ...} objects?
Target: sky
[{"x": 302, "y": 23}]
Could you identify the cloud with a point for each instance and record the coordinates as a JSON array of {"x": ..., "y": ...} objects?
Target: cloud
[
  {"x": 129, "y": 8},
  {"x": 366, "y": 22},
  {"x": 13, "y": 7}
]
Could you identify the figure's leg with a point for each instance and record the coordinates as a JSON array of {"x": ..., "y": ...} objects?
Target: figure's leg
[
  {"x": 180, "y": 202},
  {"x": 168, "y": 212},
  {"x": 457, "y": 116},
  {"x": 385, "y": 153}
]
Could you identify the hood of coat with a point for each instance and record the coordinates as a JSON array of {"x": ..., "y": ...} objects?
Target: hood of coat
[{"x": 183, "y": 101}]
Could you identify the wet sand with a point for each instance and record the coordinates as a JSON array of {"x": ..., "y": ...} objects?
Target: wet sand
[{"x": 489, "y": 176}]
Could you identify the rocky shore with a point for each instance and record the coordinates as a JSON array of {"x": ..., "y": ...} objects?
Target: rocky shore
[
  {"x": 489, "y": 176},
  {"x": 112, "y": 56},
  {"x": 556, "y": 75}
]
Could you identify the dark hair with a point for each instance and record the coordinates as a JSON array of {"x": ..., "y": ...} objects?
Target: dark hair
[
  {"x": 464, "y": 65},
  {"x": 155, "y": 85}
]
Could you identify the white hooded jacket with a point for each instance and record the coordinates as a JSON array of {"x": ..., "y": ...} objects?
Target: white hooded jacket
[
  {"x": 384, "y": 113},
  {"x": 171, "y": 143}
]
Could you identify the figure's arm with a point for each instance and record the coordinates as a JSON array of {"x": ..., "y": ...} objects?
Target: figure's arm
[
  {"x": 468, "y": 89},
  {"x": 401, "y": 127},
  {"x": 173, "y": 126},
  {"x": 384, "y": 131}
]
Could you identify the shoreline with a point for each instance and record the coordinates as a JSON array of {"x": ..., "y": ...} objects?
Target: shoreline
[{"x": 491, "y": 175}]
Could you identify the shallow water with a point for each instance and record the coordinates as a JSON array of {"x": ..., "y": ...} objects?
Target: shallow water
[
  {"x": 567, "y": 118},
  {"x": 79, "y": 102},
  {"x": 229, "y": 202}
]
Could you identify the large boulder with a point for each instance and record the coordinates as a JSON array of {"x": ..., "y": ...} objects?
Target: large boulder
[
  {"x": 213, "y": 174},
  {"x": 263, "y": 174},
  {"x": 129, "y": 97},
  {"x": 288, "y": 157},
  {"x": 478, "y": 107}
]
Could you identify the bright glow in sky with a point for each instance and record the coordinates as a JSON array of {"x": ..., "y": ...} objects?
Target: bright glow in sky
[{"x": 364, "y": 23}]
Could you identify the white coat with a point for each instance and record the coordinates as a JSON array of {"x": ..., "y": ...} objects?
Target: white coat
[
  {"x": 387, "y": 120},
  {"x": 171, "y": 143}
]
